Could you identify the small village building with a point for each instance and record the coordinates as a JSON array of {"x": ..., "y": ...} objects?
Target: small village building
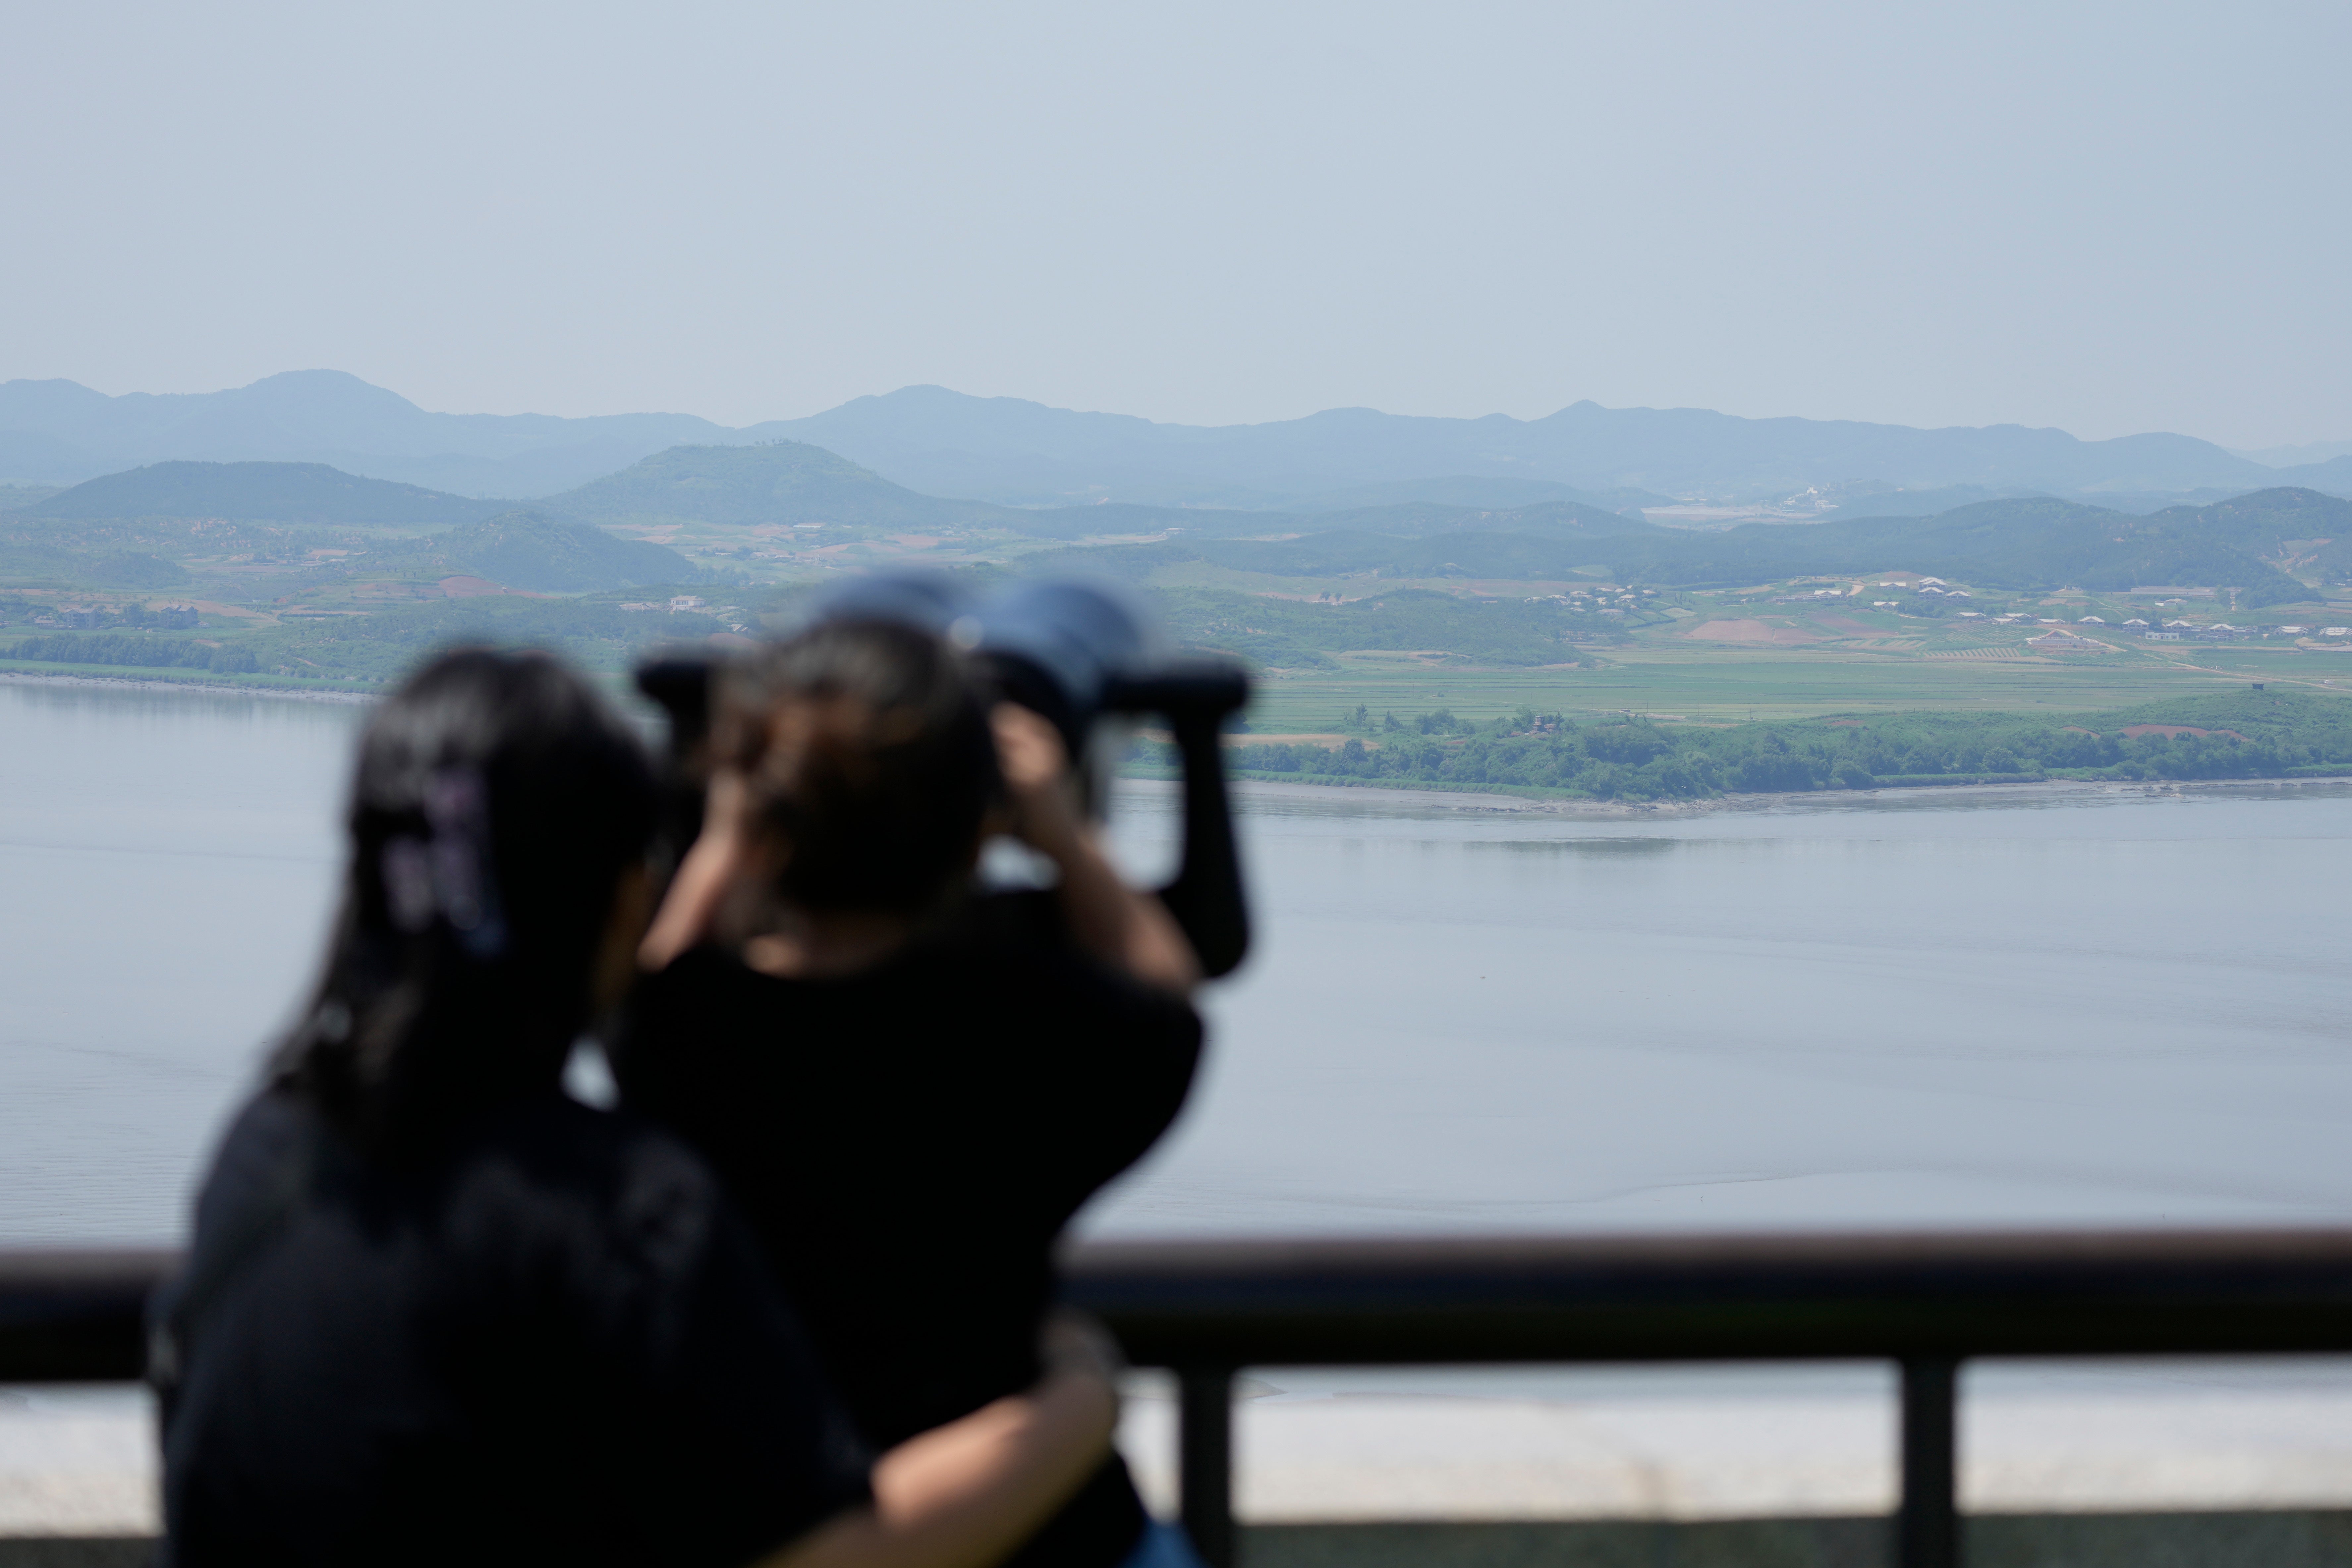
[
  {"x": 2135, "y": 621},
  {"x": 2091, "y": 621},
  {"x": 2063, "y": 642}
]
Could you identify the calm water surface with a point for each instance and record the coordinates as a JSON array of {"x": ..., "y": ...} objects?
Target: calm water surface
[
  {"x": 1999, "y": 1009},
  {"x": 1919, "y": 1011}
]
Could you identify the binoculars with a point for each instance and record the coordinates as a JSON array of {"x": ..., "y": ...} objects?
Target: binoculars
[{"x": 1085, "y": 656}]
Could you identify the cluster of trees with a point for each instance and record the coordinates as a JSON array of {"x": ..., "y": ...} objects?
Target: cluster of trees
[
  {"x": 2249, "y": 735},
  {"x": 141, "y": 652},
  {"x": 1436, "y": 722},
  {"x": 101, "y": 617}
]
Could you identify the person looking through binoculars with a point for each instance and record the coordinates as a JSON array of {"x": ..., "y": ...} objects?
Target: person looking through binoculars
[
  {"x": 438, "y": 1313},
  {"x": 908, "y": 1085}
]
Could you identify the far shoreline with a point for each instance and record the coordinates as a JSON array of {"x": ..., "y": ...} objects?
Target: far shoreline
[
  {"x": 1472, "y": 803},
  {"x": 199, "y": 687},
  {"x": 1465, "y": 802}
]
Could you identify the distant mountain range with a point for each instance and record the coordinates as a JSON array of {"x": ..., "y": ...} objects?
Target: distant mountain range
[
  {"x": 1020, "y": 453},
  {"x": 1009, "y": 452},
  {"x": 56, "y": 432}
]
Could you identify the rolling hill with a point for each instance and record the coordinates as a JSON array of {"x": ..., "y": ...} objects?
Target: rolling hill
[
  {"x": 781, "y": 482},
  {"x": 259, "y": 493},
  {"x": 532, "y": 551}
]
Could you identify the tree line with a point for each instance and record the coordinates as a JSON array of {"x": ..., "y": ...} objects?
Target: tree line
[{"x": 2248, "y": 735}]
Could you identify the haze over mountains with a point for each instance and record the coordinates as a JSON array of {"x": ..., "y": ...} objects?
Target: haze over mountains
[{"x": 1009, "y": 452}]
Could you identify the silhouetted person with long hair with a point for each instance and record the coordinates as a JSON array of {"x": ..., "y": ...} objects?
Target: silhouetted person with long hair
[
  {"x": 435, "y": 1313},
  {"x": 909, "y": 1087}
]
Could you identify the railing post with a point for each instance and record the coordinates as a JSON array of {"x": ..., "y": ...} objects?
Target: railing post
[
  {"x": 1927, "y": 1527},
  {"x": 1205, "y": 1452}
]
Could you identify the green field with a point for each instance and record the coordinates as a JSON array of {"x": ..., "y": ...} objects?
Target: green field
[{"x": 1730, "y": 686}]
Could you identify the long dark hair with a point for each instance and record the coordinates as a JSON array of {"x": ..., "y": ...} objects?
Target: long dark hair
[
  {"x": 868, "y": 750},
  {"x": 496, "y": 804}
]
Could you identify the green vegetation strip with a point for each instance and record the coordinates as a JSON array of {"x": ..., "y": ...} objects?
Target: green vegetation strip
[
  {"x": 2240, "y": 734},
  {"x": 1730, "y": 686}
]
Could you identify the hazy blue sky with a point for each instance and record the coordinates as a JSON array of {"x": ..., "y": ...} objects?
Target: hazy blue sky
[{"x": 2105, "y": 216}]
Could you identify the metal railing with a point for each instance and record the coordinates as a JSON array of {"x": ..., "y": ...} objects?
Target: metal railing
[{"x": 1206, "y": 1310}]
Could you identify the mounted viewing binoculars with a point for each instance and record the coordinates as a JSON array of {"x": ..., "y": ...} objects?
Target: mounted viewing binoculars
[{"x": 1086, "y": 657}]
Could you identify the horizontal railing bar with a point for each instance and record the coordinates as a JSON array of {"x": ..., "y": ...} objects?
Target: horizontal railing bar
[
  {"x": 1812, "y": 1296},
  {"x": 74, "y": 1314}
]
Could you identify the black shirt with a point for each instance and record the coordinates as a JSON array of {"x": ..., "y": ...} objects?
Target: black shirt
[
  {"x": 553, "y": 1341},
  {"x": 908, "y": 1143}
]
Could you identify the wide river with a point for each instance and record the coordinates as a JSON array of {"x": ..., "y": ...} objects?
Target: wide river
[{"x": 1912, "y": 1009}]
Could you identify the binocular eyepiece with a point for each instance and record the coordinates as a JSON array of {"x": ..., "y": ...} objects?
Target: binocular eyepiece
[{"x": 1084, "y": 657}]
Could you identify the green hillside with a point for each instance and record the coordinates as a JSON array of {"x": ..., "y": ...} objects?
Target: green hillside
[
  {"x": 532, "y": 551},
  {"x": 2254, "y": 542},
  {"x": 260, "y": 492},
  {"x": 783, "y": 482},
  {"x": 2031, "y": 542}
]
